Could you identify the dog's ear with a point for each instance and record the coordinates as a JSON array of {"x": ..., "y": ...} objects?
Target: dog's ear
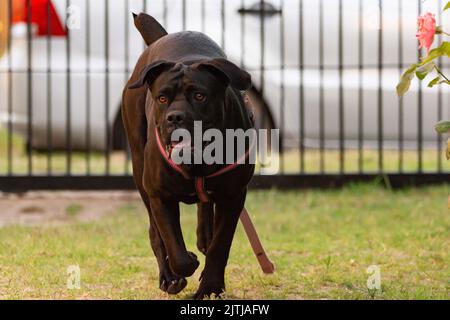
[
  {"x": 150, "y": 73},
  {"x": 227, "y": 72},
  {"x": 149, "y": 28}
]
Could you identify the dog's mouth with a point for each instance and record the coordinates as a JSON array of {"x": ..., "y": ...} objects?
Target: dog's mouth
[{"x": 179, "y": 146}]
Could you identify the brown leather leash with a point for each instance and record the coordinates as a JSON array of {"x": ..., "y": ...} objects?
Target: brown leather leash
[{"x": 266, "y": 265}]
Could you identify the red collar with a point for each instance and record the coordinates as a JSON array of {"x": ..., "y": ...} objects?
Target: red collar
[{"x": 199, "y": 181}]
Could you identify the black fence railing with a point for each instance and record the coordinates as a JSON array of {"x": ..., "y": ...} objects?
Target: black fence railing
[{"x": 324, "y": 73}]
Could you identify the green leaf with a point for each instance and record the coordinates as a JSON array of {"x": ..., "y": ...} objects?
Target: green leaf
[
  {"x": 442, "y": 126},
  {"x": 423, "y": 71},
  {"x": 447, "y": 151},
  {"x": 445, "y": 47},
  {"x": 447, "y": 6},
  {"x": 435, "y": 53},
  {"x": 442, "y": 50},
  {"x": 444, "y": 82},
  {"x": 405, "y": 80},
  {"x": 434, "y": 82}
]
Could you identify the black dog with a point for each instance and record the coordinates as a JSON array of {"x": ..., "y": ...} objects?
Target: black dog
[{"x": 181, "y": 78}]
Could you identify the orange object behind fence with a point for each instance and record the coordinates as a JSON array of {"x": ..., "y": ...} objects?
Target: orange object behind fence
[
  {"x": 18, "y": 11},
  {"x": 4, "y": 26}
]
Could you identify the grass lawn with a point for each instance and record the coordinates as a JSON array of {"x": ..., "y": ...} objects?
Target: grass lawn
[
  {"x": 322, "y": 243},
  {"x": 95, "y": 162}
]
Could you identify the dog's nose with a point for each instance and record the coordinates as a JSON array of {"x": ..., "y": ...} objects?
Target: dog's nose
[{"x": 175, "y": 117}]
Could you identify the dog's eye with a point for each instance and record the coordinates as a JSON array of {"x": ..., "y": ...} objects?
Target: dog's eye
[
  {"x": 199, "y": 96},
  {"x": 162, "y": 99}
]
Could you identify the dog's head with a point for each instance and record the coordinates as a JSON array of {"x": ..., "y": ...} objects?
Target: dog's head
[{"x": 182, "y": 93}]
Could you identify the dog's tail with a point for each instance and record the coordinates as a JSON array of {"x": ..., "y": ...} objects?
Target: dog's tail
[{"x": 149, "y": 28}]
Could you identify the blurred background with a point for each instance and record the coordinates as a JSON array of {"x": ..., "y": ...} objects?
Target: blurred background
[{"x": 324, "y": 72}]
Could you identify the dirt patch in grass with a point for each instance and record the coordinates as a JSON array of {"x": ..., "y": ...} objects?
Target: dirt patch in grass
[{"x": 50, "y": 208}]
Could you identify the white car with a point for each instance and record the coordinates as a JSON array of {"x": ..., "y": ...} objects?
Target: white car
[{"x": 104, "y": 48}]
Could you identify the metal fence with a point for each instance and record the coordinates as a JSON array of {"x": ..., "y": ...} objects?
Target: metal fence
[{"x": 324, "y": 72}]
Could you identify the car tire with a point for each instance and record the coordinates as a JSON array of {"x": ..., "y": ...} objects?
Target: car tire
[
  {"x": 119, "y": 138},
  {"x": 261, "y": 114},
  {"x": 262, "y": 117}
]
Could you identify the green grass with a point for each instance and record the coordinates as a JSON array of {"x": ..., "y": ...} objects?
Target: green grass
[
  {"x": 430, "y": 161},
  {"x": 81, "y": 162},
  {"x": 73, "y": 209},
  {"x": 322, "y": 243},
  {"x": 290, "y": 160}
]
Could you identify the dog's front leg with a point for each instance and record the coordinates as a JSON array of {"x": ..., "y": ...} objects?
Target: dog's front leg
[
  {"x": 225, "y": 221},
  {"x": 205, "y": 219},
  {"x": 168, "y": 281},
  {"x": 167, "y": 218}
]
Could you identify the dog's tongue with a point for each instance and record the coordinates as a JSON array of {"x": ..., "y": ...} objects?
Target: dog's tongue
[
  {"x": 178, "y": 146},
  {"x": 182, "y": 144}
]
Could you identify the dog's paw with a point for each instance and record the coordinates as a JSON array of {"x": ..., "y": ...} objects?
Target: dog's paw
[
  {"x": 210, "y": 290},
  {"x": 176, "y": 286},
  {"x": 185, "y": 266},
  {"x": 171, "y": 283}
]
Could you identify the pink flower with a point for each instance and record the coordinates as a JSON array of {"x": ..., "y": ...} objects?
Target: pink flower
[{"x": 426, "y": 30}]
